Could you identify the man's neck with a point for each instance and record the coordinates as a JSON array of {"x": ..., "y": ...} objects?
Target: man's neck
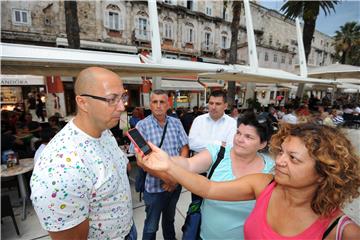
[
  {"x": 217, "y": 118},
  {"x": 86, "y": 126},
  {"x": 161, "y": 120}
]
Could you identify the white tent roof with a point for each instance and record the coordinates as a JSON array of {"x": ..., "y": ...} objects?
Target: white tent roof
[
  {"x": 38, "y": 60},
  {"x": 242, "y": 73},
  {"x": 335, "y": 71}
]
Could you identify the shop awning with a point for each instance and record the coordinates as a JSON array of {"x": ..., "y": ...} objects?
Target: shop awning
[
  {"x": 181, "y": 85},
  {"x": 21, "y": 80},
  {"x": 132, "y": 80}
]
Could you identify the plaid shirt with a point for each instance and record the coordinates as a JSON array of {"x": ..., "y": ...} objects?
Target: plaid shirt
[{"x": 175, "y": 138}]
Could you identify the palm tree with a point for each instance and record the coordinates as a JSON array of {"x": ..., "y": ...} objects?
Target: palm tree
[
  {"x": 73, "y": 38},
  {"x": 72, "y": 24},
  {"x": 235, "y": 25},
  {"x": 347, "y": 43},
  {"x": 308, "y": 11}
]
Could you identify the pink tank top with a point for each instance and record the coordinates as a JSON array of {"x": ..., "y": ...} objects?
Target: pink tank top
[{"x": 256, "y": 226}]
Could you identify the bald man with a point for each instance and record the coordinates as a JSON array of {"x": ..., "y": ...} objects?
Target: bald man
[{"x": 80, "y": 189}]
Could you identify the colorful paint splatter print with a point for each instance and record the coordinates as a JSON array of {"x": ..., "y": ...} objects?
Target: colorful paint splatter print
[{"x": 78, "y": 177}]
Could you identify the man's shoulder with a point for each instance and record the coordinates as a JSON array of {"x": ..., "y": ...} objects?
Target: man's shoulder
[
  {"x": 201, "y": 117},
  {"x": 146, "y": 120},
  {"x": 229, "y": 119},
  {"x": 173, "y": 120}
]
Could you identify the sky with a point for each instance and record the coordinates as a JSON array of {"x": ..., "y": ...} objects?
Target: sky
[{"x": 345, "y": 11}]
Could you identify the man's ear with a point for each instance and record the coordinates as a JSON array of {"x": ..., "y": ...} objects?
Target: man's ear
[{"x": 81, "y": 103}]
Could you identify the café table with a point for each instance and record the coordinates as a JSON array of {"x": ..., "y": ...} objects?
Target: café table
[{"x": 25, "y": 165}]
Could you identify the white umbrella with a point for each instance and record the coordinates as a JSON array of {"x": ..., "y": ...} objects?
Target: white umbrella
[{"x": 335, "y": 71}]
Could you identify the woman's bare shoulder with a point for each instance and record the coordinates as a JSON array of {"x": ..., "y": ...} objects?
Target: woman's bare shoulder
[{"x": 259, "y": 181}]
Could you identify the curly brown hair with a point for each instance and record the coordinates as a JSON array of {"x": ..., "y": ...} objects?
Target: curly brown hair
[{"x": 335, "y": 161}]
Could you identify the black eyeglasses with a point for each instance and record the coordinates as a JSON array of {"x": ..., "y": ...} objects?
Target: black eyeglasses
[{"x": 112, "y": 100}]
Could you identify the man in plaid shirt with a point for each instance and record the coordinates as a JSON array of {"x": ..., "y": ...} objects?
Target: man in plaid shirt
[{"x": 161, "y": 197}]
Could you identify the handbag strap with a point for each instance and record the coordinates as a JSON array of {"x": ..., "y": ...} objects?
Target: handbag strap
[
  {"x": 163, "y": 135},
  {"x": 219, "y": 157}
]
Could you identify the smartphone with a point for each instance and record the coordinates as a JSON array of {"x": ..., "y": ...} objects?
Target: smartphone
[{"x": 137, "y": 139}]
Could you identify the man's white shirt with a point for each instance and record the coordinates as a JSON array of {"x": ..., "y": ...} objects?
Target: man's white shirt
[{"x": 205, "y": 131}]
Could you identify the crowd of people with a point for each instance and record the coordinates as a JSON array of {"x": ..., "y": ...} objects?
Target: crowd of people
[
  {"x": 286, "y": 172},
  {"x": 20, "y": 133}
]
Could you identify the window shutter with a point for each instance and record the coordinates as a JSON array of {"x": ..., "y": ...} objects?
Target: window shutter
[
  {"x": 106, "y": 19},
  {"x": 171, "y": 31},
  {"x": 121, "y": 22},
  {"x": 186, "y": 33}
]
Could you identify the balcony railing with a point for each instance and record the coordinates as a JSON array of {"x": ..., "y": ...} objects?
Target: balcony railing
[
  {"x": 142, "y": 35},
  {"x": 207, "y": 46}
]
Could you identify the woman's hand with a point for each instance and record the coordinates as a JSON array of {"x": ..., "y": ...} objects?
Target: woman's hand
[{"x": 157, "y": 160}]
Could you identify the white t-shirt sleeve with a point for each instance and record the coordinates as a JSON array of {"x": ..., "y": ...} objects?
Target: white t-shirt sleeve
[{"x": 63, "y": 202}]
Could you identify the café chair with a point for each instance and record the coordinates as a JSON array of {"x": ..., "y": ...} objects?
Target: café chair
[{"x": 7, "y": 210}]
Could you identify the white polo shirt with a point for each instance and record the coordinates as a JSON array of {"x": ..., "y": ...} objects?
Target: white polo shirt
[{"x": 205, "y": 131}]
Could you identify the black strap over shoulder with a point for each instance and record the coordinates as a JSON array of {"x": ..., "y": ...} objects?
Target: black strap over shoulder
[
  {"x": 220, "y": 156},
  {"x": 331, "y": 227},
  {"x": 163, "y": 135}
]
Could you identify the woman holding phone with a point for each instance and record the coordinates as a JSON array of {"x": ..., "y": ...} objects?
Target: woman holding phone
[{"x": 316, "y": 173}]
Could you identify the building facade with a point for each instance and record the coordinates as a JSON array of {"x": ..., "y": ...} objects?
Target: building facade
[{"x": 190, "y": 30}]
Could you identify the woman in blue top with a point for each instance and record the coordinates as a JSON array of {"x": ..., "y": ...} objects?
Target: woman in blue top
[{"x": 225, "y": 220}]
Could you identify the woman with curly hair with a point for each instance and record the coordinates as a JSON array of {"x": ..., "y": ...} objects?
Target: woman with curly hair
[{"x": 316, "y": 173}]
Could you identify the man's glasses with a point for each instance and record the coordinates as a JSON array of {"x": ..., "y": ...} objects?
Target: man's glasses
[{"x": 112, "y": 100}]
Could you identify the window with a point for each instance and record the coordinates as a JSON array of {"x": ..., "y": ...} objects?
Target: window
[
  {"x": 190, "y": 5},
  {"x": 168, "y": 30},
  {"x": 208, "y": 8},
  {"x": 270, "y": 40},
  {"x": 282, "y": 59},
  {"x": 143, "y": 27},
  {"x": 290, "y": 60},
  {"x": 275, "y": 57},
  {"x": 21, "y": 17},
  {"x": 190, "y": 34},
  {"x": 113, "y": 19},
  {"x": 224, "y": 42},
  {"x": 266, "y": 58},
  {"x": 207, "y": 38},
  {"x": 171, "y": 56},
  {"x": 272, "y": 95}
]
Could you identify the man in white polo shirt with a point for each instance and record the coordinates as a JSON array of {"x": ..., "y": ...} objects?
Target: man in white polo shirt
[{"x": 214, "y": 127}]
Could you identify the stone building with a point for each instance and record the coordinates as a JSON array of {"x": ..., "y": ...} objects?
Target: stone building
[{"x": 190, "y": 30}]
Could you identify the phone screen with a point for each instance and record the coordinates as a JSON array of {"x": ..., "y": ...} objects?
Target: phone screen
[{"x": 137, "y": 139}]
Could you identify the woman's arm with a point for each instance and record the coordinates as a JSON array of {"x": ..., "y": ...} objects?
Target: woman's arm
[
  {"x": 199, "y": 163},
  {"x": 245, "y": 188}
]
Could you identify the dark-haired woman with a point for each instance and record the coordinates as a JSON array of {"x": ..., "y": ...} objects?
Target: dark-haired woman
[{"x": 225, "y": 220}]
